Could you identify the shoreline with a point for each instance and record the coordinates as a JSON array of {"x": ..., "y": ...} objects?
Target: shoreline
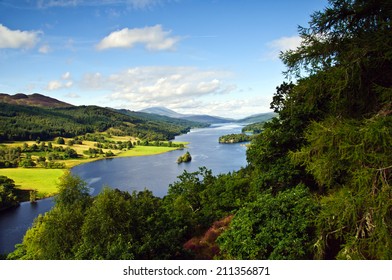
[{"x": 136, "y": 151}]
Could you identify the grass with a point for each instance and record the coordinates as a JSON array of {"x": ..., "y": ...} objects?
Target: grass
[
  {"x": 45, "y": 180},
  {"x": 40, "y": 179},
  {"x": 145, "y": 151}
]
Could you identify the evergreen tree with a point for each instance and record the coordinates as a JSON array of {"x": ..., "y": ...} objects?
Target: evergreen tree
[{"x": 345, "y": 63}]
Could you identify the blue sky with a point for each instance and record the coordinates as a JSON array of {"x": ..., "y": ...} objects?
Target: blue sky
[{"x": 217, "y": 57}]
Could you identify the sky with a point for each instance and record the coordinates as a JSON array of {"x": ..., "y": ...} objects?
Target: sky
[{"x": 216, "y": 57}]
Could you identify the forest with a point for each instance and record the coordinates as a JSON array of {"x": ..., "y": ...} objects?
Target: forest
[
  {"x": 317, "y": 184},
  {"x": 234, "y": 138},
  {"x": 23, "y": 123}
]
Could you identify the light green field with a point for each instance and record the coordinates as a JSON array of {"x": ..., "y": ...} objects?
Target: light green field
[
  {"x": 145, "y": 151},
  {"x": 40, "y": 179},
  {"x": 45, "y": 180}
]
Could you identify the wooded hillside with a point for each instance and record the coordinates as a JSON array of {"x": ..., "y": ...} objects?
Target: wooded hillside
[{"x": 20, "y": 122}]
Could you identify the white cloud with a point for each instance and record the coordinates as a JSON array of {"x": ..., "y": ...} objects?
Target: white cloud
[
  {"x": 135, "y": 4},
  {"x": 283, "y": 44},
  {"x": 143, "y": 4},
  {"x": 156, "y": 85},
  {"x": 44, "y": 49},
  {"x": 231, "y": 108},
  {"x": 66, "y": 82},
  {"x": 16, "y": 39},
  {"x": 93, "y": 81},
  {"x": 54, "y": 85},
  {"x": 72, "y": 95},
  {"x": 154, "y": 38},
  {"x": 66, "y": 76}
]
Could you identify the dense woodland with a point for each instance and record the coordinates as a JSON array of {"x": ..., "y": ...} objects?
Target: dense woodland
[
  {"x": 235, "y": 138},
  {"x": 19, "y": 122},
  {"x": 318, "y": 183}
]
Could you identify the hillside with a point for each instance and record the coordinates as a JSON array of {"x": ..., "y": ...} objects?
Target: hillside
[
  {"x": 162, "y": 111},
  {"x": 35, "y": 99},
  {"x": 258, "y": 118},
  {"x": 21, "y": 122},
  {"x": 158, "y": 117},
  {"x": 189, "y": 117}
]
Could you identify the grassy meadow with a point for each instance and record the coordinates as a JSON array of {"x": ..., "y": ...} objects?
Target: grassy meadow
[
  {"x": 45, "y": 180},
  {"x": 40, "y": 179}
]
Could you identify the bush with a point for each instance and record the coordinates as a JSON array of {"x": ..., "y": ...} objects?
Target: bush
[{"x": 272, "y": 227}]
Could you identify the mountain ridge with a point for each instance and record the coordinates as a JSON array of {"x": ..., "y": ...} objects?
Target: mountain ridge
[
  {"x": 43, "y": 101},
  {"x": 163, "y": 111},
  {"x": 35, "y": 99}
]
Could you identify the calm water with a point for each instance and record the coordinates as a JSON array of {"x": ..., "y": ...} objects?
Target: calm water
[{"x": 136, "y": 173}]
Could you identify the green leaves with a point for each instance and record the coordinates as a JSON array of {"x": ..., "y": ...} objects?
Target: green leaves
[
  {"x": 272, "y": 227},
  {"x": 8, "y": 196}
]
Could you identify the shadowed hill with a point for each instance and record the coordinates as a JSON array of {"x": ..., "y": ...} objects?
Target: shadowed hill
[{"x": 35, "y": 99}]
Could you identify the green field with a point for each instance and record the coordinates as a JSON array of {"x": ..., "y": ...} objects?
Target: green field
[
  {"x": 40, "y": 179},
  {"x": 145, "y": 151},
  {"x": 45, "y": 180}
]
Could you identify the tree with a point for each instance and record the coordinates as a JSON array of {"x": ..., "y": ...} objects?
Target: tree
[
  {"x": 344, "y": 65},
  {"x": 281, "y": 96},
  {"x": 347, "y": 47},
  {"x": 272, "y": 227},
  {"x": 60, "y": 141},
  {"x": 184, "y": 200},
  {"x": 8, "y": 196},
  {"x": 105, "y": 231},
  {"x": 72, "y": 191},
  {"x": 184, "y": 158},
  {"x": 57, "y": 234}
]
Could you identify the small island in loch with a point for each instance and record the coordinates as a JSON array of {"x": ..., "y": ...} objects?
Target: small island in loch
[
  {"x": 184, "y": 158},
  {"x": 235, "y": 138}
]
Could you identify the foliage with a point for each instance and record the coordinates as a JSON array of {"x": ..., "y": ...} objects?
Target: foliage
[
  {"x": 56, "y": 234},
  {"x": 199, "y": 198},
  {"x": 333, "y": 132},
  {"x": 351, "y": 159},
  {"x": 272, "y": 227},
  {"x": 254, "y": 128},
  {"x": 183, "y": 201},
  {"x": 225, "y": 195},
  {"x": 8, "y": 197},
  {"x": 235, "y": 138},
  {"x": 184, "y": 158},
  {"x": 205, "y": 246},
  {"x": 19, "y": 122},
  {"x": 9, "y": 157},
  {"x": 113, "y": 225},
  {"x": 347, "y": 150}
]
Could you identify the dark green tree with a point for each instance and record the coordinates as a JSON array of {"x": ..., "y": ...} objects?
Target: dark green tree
[
  {"x": 8, "y": 196},
  {"x": 57, "y": 234},
  {"x": 344, "y": 65},
  {"x": 272, "y": 227}
]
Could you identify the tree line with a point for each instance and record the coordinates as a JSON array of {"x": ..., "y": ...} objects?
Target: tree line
[
  {"x": 235, "y": 138},
  {"x": 23, "y": 123}
]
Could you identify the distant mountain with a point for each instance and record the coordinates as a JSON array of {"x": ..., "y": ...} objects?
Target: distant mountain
[
  {"x": 258, "y": 118},
  {"x": 162, "y": 111},
  {"x": 194, "y": 118},
  {"x": 161, "y": 117},
  {"x": 207, "y": 119},
  {"x": 35, "y": 99}
]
